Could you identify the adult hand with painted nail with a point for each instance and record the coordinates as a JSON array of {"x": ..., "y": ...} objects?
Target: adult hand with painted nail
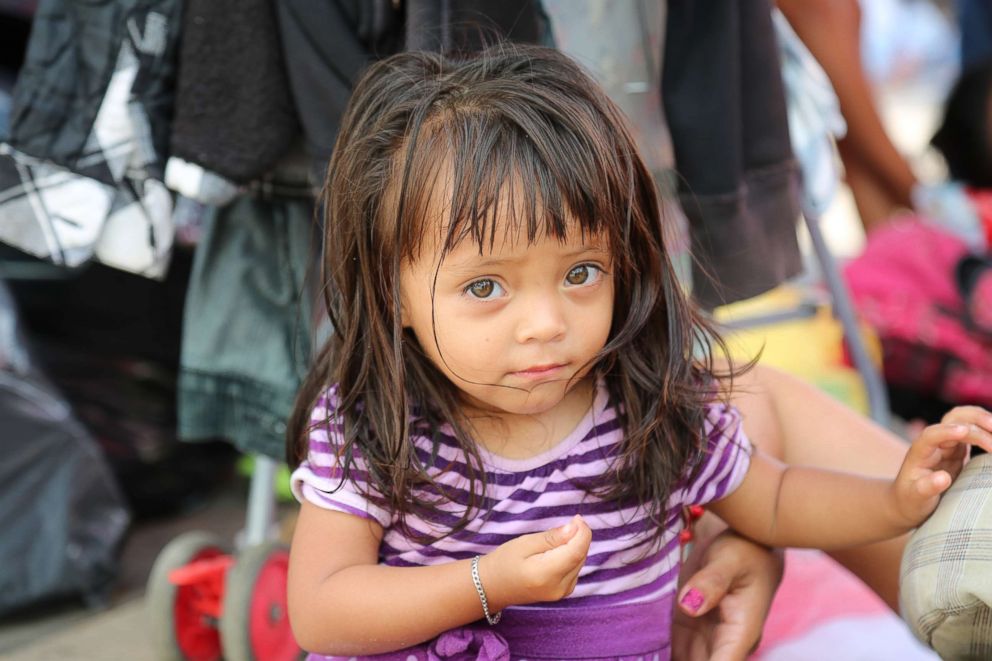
[
  {"x": 723, "y": 605},
  {"x": 936, "y": 458}
]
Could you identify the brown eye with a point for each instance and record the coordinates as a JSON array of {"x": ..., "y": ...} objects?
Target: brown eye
[
  {"x": 578, "y": 276},
  {"x": 482, "y": 288}
]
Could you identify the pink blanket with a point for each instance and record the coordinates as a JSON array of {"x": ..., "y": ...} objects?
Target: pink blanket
[{"x": 821, "y": 611}]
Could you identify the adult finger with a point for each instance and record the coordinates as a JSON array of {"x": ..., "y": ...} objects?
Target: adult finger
[
  {"x": 704, "y": 589},
  {"x": 734, "y": 648}
]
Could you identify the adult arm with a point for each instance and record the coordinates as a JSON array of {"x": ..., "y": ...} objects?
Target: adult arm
[{"x": 879, "y": 176}]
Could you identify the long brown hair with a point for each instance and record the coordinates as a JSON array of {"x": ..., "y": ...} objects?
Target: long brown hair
[{"x": 519, "y": 116}]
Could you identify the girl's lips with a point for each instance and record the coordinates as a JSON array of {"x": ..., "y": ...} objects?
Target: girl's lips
[{"x": 540, "y": 371}]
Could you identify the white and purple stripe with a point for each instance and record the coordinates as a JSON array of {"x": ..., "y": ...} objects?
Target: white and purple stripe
[{"x": 535, "y": 494}]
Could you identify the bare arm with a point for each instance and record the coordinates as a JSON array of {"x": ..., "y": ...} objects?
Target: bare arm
[
  {"x": 797, "y": 506},
  {"x": 796, "y": 422},
  {"x": 879, "y": 176},
  {"x": 341, "y": 602},
  {"x": 799, "y": 424}
]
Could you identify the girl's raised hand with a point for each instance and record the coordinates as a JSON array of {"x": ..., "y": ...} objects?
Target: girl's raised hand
[
  {"x": 935, "y": 459},
  {"x": 541, "y": 566}
]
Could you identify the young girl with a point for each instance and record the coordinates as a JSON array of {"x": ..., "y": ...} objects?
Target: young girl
[{"x": 519, "y": 401}]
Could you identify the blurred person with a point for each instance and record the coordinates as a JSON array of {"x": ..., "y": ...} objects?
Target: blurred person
[{"x": 879, "y": 177}]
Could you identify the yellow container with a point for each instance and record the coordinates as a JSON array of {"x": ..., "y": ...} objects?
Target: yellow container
[{"x": 810, "y": 347}]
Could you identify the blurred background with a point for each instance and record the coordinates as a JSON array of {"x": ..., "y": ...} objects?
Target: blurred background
[{"x": 158, "y": 168}]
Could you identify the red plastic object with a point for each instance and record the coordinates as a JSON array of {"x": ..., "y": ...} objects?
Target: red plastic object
[
  {"x": 199, "y": 593},
  {"x": 271, "y": 636}
]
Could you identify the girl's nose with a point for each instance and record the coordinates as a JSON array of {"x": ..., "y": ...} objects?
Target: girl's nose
[{"x": 542, "y": 319}]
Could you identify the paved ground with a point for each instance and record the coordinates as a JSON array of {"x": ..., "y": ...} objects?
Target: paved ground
[{"x": 113, "y": 634}]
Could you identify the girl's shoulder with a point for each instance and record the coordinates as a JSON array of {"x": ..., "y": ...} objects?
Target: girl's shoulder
[
  {"x": 325, "y": 418},
  {"x": 720, "y": 419},
  {"x": 721, "y": 462},
  {"x": 722, "y": 433},
  {"x": 327, "y": 421},
  {"x": 326, "y": 403}
]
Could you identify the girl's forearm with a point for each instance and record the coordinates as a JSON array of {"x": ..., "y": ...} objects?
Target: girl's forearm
[
  {"x": 801, "y": 425},
  {"x": 850, "y": 510},
  {"x": 370, "y": 609},
  {"x": 782, "y": 505}
]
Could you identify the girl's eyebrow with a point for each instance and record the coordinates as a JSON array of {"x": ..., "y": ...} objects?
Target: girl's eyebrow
[{"x": 469, "y": 264}]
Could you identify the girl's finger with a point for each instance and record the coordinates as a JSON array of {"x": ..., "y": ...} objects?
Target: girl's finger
[
  {"x": 581, "y": 526},
  {"x": 980, "y": 437},
  {"x": 573, "y": 577},
  {"x": 571, "y": 554},
  {"x": 928, "y": 449},
  {"x": 945, "y": 434},
  {"x": 933, "y": 484},
  {"x": 973, "y": 436},
  {"x": 974, "y": 415}
]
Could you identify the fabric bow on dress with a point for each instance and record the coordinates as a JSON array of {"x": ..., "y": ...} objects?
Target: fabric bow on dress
[{"x": 469, "y": 644}]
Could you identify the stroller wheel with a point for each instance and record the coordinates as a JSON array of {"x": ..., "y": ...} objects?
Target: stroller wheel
[
  {"x": 180, "y": 628},
  {"x": 255, "y": 623}
]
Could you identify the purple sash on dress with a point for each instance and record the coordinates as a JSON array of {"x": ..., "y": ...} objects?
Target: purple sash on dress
[{"x": 598, "y": 632}]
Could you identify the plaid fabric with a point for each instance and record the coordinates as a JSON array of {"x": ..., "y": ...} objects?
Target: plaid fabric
[
  {"x": 55, "y": 214},
  {"x": 946, "y": 574},
  {"x": 72, "y": 191}
]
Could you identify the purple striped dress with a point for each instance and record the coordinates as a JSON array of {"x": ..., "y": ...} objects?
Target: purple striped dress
[{"x": 622, "y": 605}]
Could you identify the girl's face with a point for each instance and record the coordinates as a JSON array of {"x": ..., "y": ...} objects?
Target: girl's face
[{"x": 515, "y": 327}]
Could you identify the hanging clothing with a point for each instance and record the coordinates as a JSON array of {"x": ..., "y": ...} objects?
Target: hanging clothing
[
  {"x": 81, "y": 171},
  {"x": 468, "y": 25},
  {"x": 246, "y": 336},
  {"x": 327, "y": 44},
  {"x": 815, "y": 120},
  {"x": 739, "y": 183},
  {"x": 628, "y": 69},
  {"x": 234, "y": 113}
]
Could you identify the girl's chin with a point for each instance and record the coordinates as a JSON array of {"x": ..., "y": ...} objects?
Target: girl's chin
[{"x": 536, "y": 401}]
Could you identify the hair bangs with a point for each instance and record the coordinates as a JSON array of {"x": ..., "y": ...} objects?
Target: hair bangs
[{"x": 466, "y": 172}]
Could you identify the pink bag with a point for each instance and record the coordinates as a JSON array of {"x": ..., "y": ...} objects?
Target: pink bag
[{"x": 930, "y": 302}]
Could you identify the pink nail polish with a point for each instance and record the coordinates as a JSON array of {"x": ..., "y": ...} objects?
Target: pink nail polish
[{"x": 693, "y": 600}]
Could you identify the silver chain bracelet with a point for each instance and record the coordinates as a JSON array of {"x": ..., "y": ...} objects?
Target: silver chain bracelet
[{"x": 491, "y": 619}]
